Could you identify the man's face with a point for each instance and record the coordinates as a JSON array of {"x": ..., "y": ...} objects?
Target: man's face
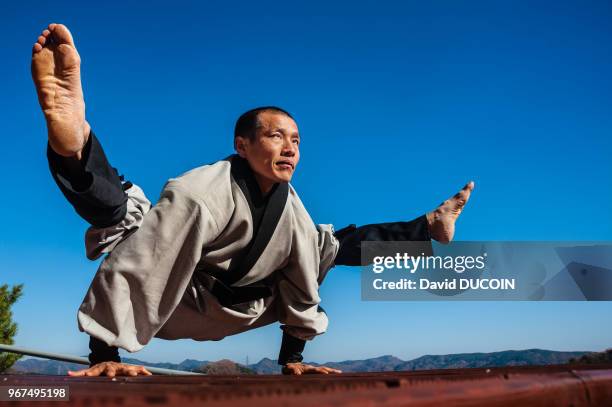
[{"x": 274, "y": 153}]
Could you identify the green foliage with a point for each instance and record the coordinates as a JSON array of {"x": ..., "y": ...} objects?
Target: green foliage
[{"x": 8, "y": 328}]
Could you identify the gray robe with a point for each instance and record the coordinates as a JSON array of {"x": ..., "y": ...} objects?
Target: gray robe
[{"x": 144, "y": 286}]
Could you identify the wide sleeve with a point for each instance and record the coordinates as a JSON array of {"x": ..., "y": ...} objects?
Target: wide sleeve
[
  {"x": 140, "y": 283},
  {"x": 101, "y": 240},
  {"x": 328, "y": 246},
  {"x": 299, "y": 312}
]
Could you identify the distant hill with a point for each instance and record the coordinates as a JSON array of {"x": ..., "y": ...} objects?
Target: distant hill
[
  {"x": 456, "y": 361},
  {"x": 593, "y": 358},
  {"x": 224, "y": 367},
  {"x": 41, "y": 366},
  {"x": 385, "y": 363},
  {"x": 190, "y": 365},
  {"x": 266, "y": 366},
  {"x": 380, "y": 364},
  {"x": 505, "y": 358}
]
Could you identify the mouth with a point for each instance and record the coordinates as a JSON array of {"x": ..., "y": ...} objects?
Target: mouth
[{"x": 285, "y": 165}]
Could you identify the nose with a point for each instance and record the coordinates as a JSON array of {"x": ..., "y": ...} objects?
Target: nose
[{"x": 289, "y": 148}]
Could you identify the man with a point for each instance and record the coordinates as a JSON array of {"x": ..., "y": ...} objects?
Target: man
[{"x": 228, "y": 247}]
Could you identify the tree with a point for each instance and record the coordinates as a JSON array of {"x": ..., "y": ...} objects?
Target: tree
[{"x": 8, "y": 328}]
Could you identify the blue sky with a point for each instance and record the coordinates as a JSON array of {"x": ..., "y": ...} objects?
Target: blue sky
[{"x": 398, "y": 105}]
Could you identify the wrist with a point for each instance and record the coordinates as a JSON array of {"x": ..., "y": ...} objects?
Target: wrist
[{"x": 291, "y": 350}]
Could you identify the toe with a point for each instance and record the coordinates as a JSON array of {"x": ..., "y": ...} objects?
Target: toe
[
  {"x": 61, "y": 34},
  {"x": 463, "y": 196},
  {"x": 41, "y": 40},
  {"x": 36, "y": 48}
]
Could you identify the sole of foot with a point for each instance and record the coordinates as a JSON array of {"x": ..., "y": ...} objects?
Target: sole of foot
[{"x": 56, "y": 71}]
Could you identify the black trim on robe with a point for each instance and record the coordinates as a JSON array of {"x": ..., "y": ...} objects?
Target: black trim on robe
[
  {"x": 266, "y": 212},
  {"x": 101, "y": 352},
  {"x": 91, "y": 185},
  {"x": 350, "y": 237}
]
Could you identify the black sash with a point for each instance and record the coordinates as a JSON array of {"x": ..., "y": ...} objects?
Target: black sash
[{"x": 266, "y": 213}]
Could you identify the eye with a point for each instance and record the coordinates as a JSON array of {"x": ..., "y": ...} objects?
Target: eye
[{"x": 296, "y": 141}]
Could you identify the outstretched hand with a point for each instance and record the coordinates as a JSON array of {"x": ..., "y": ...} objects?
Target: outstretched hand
[
  {"x": 302, "y": 368},
  {"x": 111, "y": 369}
]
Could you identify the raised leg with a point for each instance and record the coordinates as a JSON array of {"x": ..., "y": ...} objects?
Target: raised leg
[{"x": 76, "y": 158}]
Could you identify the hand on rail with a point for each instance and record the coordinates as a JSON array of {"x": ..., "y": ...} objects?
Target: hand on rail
[{"x": 111, "y": 369}]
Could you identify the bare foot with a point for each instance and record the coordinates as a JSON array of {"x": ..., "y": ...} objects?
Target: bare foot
[
  {"x": 442, "y": 220},
  {"x": 57, "y": 75}
]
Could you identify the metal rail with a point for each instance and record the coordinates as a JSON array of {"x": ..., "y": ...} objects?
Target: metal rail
[
  {"x": 525, "y": 386},
  {"x": 83, "y": 361}
]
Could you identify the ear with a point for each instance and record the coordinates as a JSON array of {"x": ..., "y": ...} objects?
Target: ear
[{"x": 241, "y": 145}]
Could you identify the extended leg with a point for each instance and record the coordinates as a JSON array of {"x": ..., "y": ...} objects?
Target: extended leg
[
  {"x": 76, "y": 159},
  {"x": 438, "y": 225}
]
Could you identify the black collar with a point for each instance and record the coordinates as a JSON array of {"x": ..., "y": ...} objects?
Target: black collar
[
  {"x": 244, "y": 176},
  {"x": 265, "y": 212}
]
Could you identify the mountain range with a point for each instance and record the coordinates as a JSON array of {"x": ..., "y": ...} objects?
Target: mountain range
[{"x": 379, "y": 364}]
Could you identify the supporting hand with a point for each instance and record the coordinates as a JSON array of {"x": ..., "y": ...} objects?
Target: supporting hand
[
  {"x": 302, "y": 368},
  {"x": 111, "y": 369}
]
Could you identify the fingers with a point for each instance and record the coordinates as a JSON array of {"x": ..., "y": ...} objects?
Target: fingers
[
  {"x": 111, "y": 369},
  {"x": 298, "y": 369},
  {"x": 127, "y": 370},
  {"x": 290, "y": 370},
  {"x": 96, "y": 370},
  {"x": 78, "y": 373},
  {"x": 144, "y": 371},
  {"x": 332, "y": 370},
  {"x": 322, "y": 370}
]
